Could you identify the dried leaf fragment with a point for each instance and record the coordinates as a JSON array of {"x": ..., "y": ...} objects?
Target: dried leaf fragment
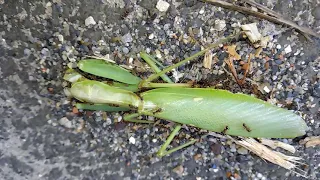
[
  {"x": 251, "y": 30},
  {"x": 232, "y": 52},
  {"x": 274, "y": 144},
  {"x": 311, "y": 141}
]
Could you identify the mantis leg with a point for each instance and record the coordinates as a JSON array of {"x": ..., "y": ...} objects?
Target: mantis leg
[
  {"x": 100, "y": 107},
  {"x": 151, "y": 61},
  {"x": 194, "y": 56},
  {"x": 131, "y": 118},
  {"x": 164, "y": 152}
]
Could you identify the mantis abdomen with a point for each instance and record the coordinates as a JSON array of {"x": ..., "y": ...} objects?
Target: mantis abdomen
[{"x": 223, "y": 111}]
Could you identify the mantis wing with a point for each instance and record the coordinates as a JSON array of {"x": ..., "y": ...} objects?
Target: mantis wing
[{"x": 223, "y": 111}]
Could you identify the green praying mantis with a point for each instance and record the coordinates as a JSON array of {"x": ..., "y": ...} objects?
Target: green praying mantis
[{"x": 205, "y": 108}]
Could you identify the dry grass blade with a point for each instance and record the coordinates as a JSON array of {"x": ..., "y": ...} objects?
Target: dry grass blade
[
  {"x": 229, "y": 62},
  {"x": 274, "y": 144},
  {"x": 207, "y": 60},
  {"x": 246, "y": 68},
  {"x": 288, "y": 162}
]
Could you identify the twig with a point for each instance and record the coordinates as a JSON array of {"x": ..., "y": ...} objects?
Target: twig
[{"x": 270, "y": 16}]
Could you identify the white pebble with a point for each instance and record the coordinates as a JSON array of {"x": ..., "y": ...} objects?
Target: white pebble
[
  {"x": 219, "y": 24},
  {"x": 130, "y": 60},
  {"x": 151, "y": 36},
  {"x": 132, "y": 140},
  {"x": 125, "y": 50},
  {"x": 266, "y": 89},
  {"x": 288, "y": 49},
  {"x": 119, "y": 118},
  {"x": 166, "y": 51},
  {"x": 48, "y": 4},
  {"x": 278, "y": 46},
  {"x": 60, "y": 37},
  {"x": 297, "y": 52},
  {"x": 201, "y": 11},
  {"x": 90, "y": 21},
  {"x": 162, "y": 6},
  {"x": 158, "y": 54}
]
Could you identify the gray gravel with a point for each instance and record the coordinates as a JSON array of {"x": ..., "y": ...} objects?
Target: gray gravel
[{"x": 43, "y": 137}]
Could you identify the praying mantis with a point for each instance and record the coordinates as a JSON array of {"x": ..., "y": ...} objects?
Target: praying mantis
[{"x": 205, "y": 108}]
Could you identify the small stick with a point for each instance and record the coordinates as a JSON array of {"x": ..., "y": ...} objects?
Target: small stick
[{"x": 271, "y": 16}]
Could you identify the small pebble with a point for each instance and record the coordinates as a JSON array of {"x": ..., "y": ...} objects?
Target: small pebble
[
  {"x": 132, "y": 140},
  {"x": 60, "y": 38},
  {"x": 127, "y": 38},
  {"x": 233, "y": 148},
  {"x": 266, "y": 89},
  {"x": 179, "y": 170},
  {"x": 288, "y": 49},
  {"x": 158, "y": 54},
  {"x": 166, "y": 51},
  {"x": 151, "y": 36},
  {"x": 162, "y": 6},
  {"x": 90, "y": 21},
  {"x": 219, "y": 24},
  {"x": 125, "y": 50},
  {"x": 65, "y": 122},
  {"x": 278, "y": 61},
  {"x": 45, "y": 51},
  {"x": 27, "y": 52},
  {"x": 242, "y": 150},
  {"x": 297, "y": 52},
  {"x": 201, "y": 11}
]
